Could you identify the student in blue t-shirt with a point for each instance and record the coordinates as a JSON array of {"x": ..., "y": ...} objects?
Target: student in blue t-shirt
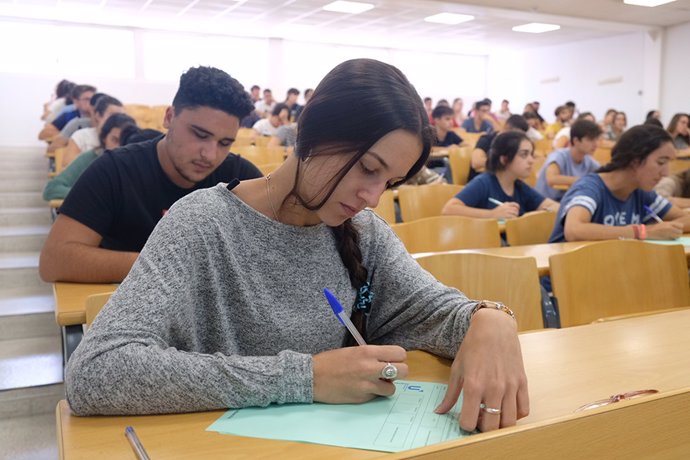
[
  {"x": 511, "y": 158},
  {"x": 566, "y": 166},
  {"x": 611, "y": 203}
]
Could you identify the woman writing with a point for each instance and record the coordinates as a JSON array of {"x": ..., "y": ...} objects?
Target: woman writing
[
  {"x": 224, "y": 306},
  {"x": 501, "y": 192},
  {"x": 618, "y": 200}
]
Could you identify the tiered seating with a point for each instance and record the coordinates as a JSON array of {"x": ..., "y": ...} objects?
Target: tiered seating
[
  {"x": 146, "y": 116},
  {"x": 446, "y": 233},
  {"x": 531, "y": 228},
  {"x": 418, "y": 202},
  {"x": 476, "y": 275},
  {"x": 610, "y": 278}
]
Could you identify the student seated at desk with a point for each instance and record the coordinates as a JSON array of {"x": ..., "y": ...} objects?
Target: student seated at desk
[
  {"x": 613, "y": 202},
  {"x": 566, "y": 166},
  {"x": 501, "y": 193},
  {"x": 480, "y": 153},
  {"x": 59, "y": 186},
  {"x": 224, "y": 306},
  {"x": 116, "y": 203}
]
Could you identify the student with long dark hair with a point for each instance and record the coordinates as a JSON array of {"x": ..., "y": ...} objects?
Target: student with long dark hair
[
  {"x": 618, "y": 201},
  {"x": 501, "y": 193},
  {"x": 224, "y": 306},
  {"x": 680, "y": 131}
]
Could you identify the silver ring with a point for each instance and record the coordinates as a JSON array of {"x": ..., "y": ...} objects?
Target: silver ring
[
  {"x": 389, "y": 372},
  {"x": 489, "y": 410}
]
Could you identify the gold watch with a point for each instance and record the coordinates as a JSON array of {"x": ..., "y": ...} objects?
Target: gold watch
[{"x": 494, "y": 305}]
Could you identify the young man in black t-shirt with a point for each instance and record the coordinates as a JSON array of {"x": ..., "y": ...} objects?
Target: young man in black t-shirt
[
  {"x": 443, "y": 124},
  {"x": 116, "y": 203}
]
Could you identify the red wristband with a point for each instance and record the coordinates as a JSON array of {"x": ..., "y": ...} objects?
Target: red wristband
[{"x": 636, "y": 231}]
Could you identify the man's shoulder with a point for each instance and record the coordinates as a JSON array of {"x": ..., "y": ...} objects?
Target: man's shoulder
[
  {"x": 260, "y": 124},
  {"x": 560, "y": 154},
  {"x": 233, "y": 167},
  {"x": 84, "y": 133}
]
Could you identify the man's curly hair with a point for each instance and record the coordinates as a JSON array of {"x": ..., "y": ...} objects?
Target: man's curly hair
[{"x": 211, "y": 87}]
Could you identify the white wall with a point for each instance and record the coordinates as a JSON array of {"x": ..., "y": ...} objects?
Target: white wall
[
  {"x": 142, "y": 66},
  {"x": 617, "y": 72},
  {"x": 623, "y": 72},
  {"x": 675, "y": 90}
]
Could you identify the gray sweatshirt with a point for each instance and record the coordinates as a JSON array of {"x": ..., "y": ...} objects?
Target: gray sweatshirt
[{"x": 224, "y": 309}]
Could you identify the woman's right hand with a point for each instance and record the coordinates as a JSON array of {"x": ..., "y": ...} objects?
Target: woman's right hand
[
  {"x": 665, "y": 230},
  {"x": 507, "y": 210},
  {"x": 353, "y": 374}
]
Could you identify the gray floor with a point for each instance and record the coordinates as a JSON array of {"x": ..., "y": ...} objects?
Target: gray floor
[{"x": 28, "y": 438}]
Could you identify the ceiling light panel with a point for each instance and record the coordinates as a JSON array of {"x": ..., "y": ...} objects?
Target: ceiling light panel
[
  {"x": 648, "y": 3},
  {"x": 348, "y": 7},
  {"x": 449, "y": 18},
  {"x": 536, "y": 28}
]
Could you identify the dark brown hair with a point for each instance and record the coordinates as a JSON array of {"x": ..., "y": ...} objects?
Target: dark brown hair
[
  {"x": 355, "y": 105},
  {"x": 634, "y": 146}
]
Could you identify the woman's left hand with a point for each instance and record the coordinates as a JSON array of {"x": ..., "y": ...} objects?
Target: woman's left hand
[{"x": 488, "y": 366}]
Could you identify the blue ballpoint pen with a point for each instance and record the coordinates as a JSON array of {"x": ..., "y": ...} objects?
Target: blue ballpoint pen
[
  {"x": 134, "y": 441},
  {"x": 652, "y": 213},
  {"x": 342, "y": 317}
]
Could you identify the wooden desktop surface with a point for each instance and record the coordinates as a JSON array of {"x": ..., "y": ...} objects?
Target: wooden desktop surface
[
  {"x": 70, "y": 300},
  {"x": 566, "y": 368}
]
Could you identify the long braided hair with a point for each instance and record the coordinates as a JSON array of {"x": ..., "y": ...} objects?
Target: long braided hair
[{"x": 355, "y": 105}]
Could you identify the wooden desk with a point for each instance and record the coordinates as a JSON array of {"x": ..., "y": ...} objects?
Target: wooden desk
[
  {"x": 540, "y": 252},
  {"x": 55, "y": 204},
  {"x": 566, "y": 368},
  {"x": 70, "y": 311}
]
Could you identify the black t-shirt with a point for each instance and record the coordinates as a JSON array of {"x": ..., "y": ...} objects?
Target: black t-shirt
[
  {"x": 450, "y": 139},
  {"x": 124, "y": 193},
  {"x": 483, "y": 143}
]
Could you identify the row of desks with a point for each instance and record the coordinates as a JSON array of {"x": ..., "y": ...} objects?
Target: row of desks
[
  {"x": 70, "y": 298},
  {"x": 566, "y": 368}
]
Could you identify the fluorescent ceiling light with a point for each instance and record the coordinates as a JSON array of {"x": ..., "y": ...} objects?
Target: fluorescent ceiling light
[
  {"x": 449, "y": 18},
  {"x": 348, "y": 7},
  {"x": 649, "y": 3},
  {"x": 536, "y": 28}
]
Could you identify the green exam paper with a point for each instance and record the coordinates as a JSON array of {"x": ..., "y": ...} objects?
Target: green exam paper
[
  {"x": 684, "y": 240},
  {"x": 403, "y": 421}
]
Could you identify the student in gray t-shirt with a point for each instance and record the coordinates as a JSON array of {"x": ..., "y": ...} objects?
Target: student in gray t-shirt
[
  {"x": 224, "y": 305},
  {"x": 566, "y": 166}
]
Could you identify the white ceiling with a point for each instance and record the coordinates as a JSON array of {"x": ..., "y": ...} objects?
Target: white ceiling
[{"x": 391, "y": 23}]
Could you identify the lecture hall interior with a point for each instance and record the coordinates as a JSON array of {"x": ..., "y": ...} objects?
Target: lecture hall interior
[{"x": 523, "y": 55}]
